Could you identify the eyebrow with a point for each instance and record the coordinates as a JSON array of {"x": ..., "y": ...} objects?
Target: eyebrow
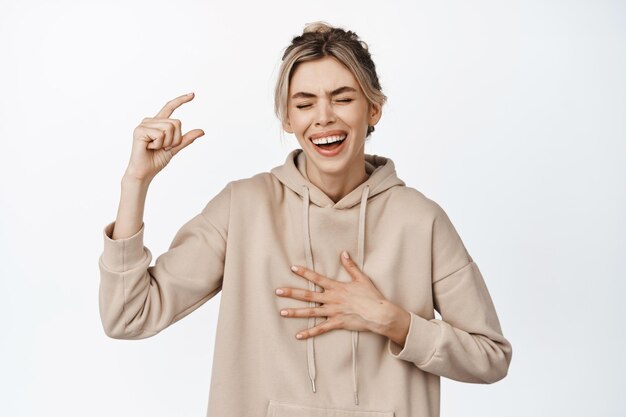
[{"x": 303, "y": 94}]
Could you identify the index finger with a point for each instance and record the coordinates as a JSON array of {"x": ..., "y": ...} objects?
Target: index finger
[
  {"x": 313, "y": 276},
  {"x": 172, "y": 105}
]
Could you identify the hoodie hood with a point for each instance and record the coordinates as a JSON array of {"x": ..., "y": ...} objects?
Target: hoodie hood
[
  {"x": 292, "y": 174},
  {"x": 381, "y": 171}
]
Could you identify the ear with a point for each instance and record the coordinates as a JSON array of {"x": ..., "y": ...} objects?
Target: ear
[
  {"x": 287, "y": 126},
  {"x": 375, "y": 112}
]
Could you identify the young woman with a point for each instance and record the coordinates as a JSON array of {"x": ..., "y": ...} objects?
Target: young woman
[{"x": 330, "y": 267}]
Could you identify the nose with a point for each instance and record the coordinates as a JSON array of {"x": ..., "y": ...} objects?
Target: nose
[{"x": 325, "y": 114}]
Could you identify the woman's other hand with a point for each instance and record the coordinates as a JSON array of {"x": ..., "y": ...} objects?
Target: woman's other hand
[{"x": 355, "y": 305}]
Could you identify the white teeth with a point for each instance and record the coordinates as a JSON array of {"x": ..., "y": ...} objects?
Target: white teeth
[{"x": 329, "y": 139}]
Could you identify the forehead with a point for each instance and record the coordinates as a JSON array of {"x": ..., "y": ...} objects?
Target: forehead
[{"x": 321, "y": 76}]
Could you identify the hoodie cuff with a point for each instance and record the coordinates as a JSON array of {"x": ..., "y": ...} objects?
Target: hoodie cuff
[
  {"x": 421, "y": 341},
  {"x": 120, "y": 255}
]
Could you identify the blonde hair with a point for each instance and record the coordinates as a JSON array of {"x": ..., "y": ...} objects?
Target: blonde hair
[{"x": 318, "y": 40}]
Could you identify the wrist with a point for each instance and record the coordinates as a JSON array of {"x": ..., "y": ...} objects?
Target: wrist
[
  {"x": 129, "y": 180},
  {"x": 395, "y": 323}
]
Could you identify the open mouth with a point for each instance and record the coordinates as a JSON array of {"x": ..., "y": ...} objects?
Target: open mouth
[
  {"x": 330, "y": 143},
  {"x": 330, "y": 146}
]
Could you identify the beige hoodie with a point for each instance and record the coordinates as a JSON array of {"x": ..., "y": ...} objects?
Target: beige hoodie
[{"x": 243, "y": 244}]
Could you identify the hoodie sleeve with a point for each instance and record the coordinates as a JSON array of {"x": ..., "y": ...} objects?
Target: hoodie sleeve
[
  {"x": 467, "y": 344},
  {"x": 137, "y": 300}
]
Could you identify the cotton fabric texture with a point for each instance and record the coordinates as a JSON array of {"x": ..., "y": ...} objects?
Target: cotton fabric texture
[{"x": 243, "y": 243}]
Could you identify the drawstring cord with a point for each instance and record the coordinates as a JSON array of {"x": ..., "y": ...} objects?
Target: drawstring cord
[
  {"x": 310, "y": 348},
  {"x": 360, "y": 259}
]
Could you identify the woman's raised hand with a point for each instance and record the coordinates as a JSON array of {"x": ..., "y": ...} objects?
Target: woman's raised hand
[{"x": 157, "y": 139}]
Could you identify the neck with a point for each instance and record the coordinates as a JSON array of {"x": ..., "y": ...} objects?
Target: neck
[{"x": 338, "y": 184}]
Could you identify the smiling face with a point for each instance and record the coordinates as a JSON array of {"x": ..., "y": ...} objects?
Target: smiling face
[{"x": 325, "y": 98}]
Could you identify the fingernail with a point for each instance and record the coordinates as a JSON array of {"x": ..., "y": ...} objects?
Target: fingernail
[
  {"x": 279, "y": 291},
  {"x": 299, "y": 336},
  {"x": 294, "y": 268},
  {"x": 345, "y": 255},
  {"x": 190, "y": 94}
]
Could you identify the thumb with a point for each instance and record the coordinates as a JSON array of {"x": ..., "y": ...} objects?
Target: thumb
[
  {"x": 193, "y": 135},
  {"x": 188, "y": 138},
  {"x": 350, "y": 266}
]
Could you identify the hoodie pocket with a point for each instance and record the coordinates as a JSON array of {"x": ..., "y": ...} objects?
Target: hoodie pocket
[{"x": 283, "y": 409}]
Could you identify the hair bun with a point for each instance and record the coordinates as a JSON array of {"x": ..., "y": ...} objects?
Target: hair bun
[{"x": 318, "y": 26}]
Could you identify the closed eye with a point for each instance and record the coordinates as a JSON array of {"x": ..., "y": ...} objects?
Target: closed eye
[{"x": 345, "y": 100}]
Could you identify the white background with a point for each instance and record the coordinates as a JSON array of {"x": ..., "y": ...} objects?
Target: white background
[{"x": 510, "y": 114}]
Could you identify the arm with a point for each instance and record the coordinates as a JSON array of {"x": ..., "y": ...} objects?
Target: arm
[
  {"x": 467, "y": 344},
  {"x": 137, "y": 300},
  {"x": 130, "y": 210}
]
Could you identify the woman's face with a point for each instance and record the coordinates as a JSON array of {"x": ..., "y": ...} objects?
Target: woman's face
[{"x": 324, "y": 97}]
